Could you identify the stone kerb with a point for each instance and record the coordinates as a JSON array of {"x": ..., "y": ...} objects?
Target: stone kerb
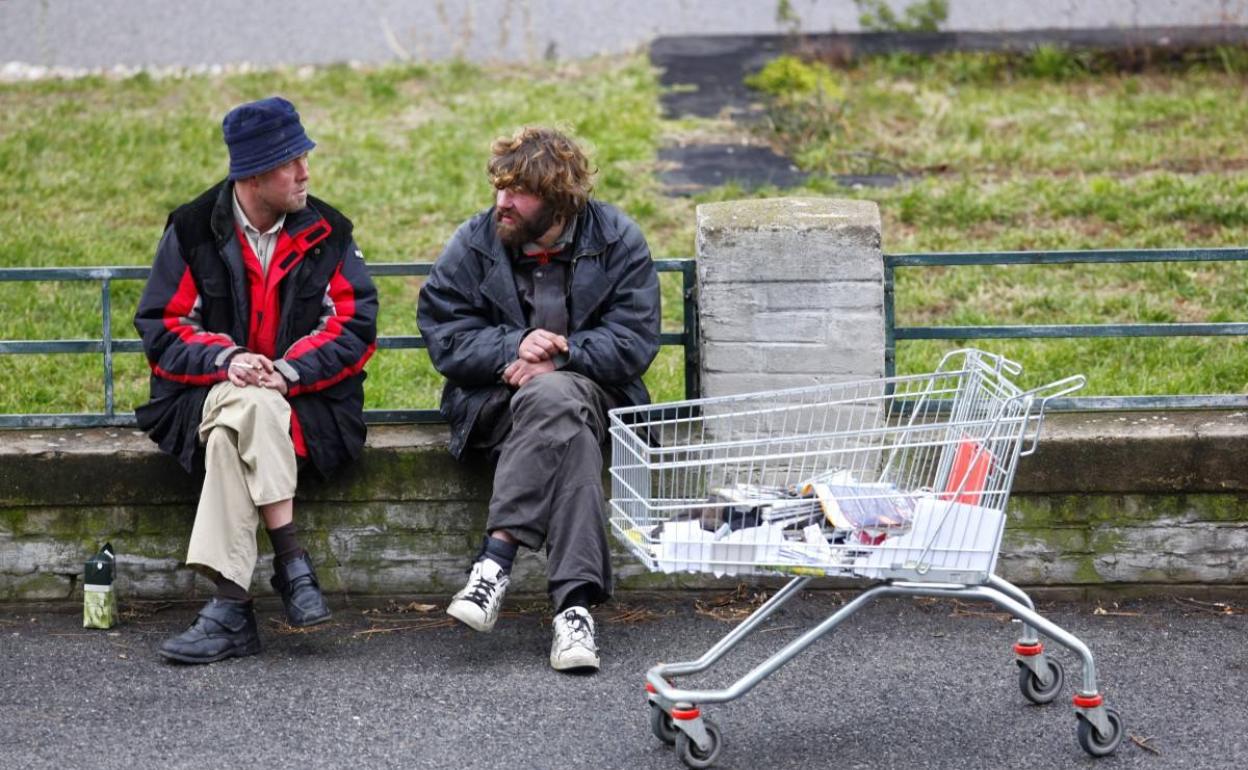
[
  {"x": 1108, "y": 502},
  {"x": 405, "y": 518},
  {"x": 790, "y": 293}
]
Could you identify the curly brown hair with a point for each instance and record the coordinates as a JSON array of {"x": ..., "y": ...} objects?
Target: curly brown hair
[{"x": 546, "y": 163}]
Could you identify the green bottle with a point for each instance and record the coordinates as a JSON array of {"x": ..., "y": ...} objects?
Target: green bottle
[{"x": 99, "y": 603}]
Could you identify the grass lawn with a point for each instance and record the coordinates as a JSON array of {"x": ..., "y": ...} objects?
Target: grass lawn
[
  {"x": 92, "y": 167},
  {"x": 999, "y": 160}
]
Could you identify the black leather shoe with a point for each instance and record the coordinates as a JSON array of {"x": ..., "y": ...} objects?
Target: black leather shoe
[
  {"x": 301, "y": 594},
  {"x": 223, "y": 629}
]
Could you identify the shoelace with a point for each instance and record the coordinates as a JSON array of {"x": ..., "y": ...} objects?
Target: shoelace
[
  {"x": 481, "y": 591},
  {"x": 577, "y": 627}
]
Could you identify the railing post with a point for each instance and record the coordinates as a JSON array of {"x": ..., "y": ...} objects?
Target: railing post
[
  {"x": 790, "y": 293},
  {"x": 689, "y": 277},
  {"x": 890, "y": 320},
  {"x": 106, "y": 300}
]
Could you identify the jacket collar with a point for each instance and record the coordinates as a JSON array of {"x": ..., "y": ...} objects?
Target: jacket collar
[
  {"x": 306, "y": 226},
  {"x": 589, "y": 288},
  {"x": 593, "y": 235},
  {"x": 499, "y": 285}
]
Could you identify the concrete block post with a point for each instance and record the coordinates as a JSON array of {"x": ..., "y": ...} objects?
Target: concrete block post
[{"x": 790, "y": 293}]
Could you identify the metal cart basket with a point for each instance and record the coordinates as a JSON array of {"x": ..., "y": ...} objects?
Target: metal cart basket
[{"x": 902, "y": 480}]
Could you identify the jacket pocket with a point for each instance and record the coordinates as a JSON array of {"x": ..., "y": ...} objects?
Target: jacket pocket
[
  {"x": 214, "y": 286},
  {"x": 216, "y": 305}
]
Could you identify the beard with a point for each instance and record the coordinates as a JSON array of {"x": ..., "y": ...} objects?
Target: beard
[{"x": 521, "y": 229}]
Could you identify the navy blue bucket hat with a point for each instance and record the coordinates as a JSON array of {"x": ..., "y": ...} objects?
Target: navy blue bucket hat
[{"x": 262, "y": 136}]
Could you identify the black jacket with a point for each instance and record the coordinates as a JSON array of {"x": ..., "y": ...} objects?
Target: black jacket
[
  {"x": 205, "y": 300},
  {"x": 472, "y": 321}
]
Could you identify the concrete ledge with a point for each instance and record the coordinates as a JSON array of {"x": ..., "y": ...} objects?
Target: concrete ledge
[
  {"x": 1108, "y": 502},
  {"x": 1139, "y": 452},
  {"x": 405, "y": 519}
]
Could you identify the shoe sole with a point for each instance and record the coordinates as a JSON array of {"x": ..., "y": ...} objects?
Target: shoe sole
[
  {"x": 468, "y": 620},
  {"x": 237, "y": 652},
  {"x": 313, "y": 622},
  {"x": 579, "y": 666}
]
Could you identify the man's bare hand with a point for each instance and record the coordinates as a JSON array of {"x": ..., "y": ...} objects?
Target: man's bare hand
[
  {"x": 541, "y": 345},
  {"x": 274, "y": 381},
  {"x": 248, "y": 369},
  {"x": 519, "y": 372}
]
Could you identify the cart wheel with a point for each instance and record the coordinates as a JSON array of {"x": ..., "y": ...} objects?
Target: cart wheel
[
  {"x": 1035, "y": 692},
  {"x": 1101, "y": 745},
  {"x": 694, "y": 757},
  {"x": 662, "y": 726}
]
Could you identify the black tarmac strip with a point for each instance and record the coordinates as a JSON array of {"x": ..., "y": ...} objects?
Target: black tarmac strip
[{"x": 905, "y": 684}]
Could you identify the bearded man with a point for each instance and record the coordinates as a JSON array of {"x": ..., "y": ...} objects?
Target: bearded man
[{"x": 542, "y": 313}]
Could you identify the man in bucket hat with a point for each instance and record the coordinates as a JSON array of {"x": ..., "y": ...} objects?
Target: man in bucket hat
[{"x": 257, "y": 321}]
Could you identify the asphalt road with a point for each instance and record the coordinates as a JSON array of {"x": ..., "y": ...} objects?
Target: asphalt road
[
  {"x": 908, "y": 683},
  {"x": 157, "y": 33}
]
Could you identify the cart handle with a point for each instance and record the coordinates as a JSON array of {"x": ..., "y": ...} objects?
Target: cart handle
[
  {"x": 1063, "y": 387},
  {"x": 995, "y": 363}
]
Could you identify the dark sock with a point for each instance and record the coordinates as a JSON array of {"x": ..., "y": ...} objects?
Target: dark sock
[
  {"x": 500, "y": 551},
  {"x": 228, "y": 589},
  {"x": 285, "y": 542},
  {"x": 581, "y": 596}
]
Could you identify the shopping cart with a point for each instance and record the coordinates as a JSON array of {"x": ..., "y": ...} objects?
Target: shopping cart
[{"x": 901, "y": 480}]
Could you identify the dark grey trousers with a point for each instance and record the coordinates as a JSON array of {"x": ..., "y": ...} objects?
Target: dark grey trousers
[{"x": 548, "y": 479}]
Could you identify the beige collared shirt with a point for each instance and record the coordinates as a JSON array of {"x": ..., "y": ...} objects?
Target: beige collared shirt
[{"x": 262, "y": 243}]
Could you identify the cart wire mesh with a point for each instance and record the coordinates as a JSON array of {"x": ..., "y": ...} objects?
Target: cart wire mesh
[{"x": 901, "y": 477}]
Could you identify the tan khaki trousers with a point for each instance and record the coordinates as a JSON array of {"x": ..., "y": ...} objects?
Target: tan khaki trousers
[{"x": 250, "y": 462}]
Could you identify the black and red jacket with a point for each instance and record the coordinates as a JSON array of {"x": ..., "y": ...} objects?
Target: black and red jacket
[{"x": 314, "y": 314}]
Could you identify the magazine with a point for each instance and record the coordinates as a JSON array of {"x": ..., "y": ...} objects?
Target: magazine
[{"x": 864, "y": 506}]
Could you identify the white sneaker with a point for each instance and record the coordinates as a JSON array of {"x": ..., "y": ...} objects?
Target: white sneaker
[
  {"x": 478, "y": 602},
  {"x": 574, "y": 647}
]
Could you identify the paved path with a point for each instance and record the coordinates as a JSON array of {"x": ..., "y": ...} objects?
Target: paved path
[
  {"x": 158, "y": 33},
  {"x": 916, "y": 684}
]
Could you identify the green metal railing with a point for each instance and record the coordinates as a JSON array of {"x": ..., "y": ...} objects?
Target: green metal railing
[
  {"x": 107, "y": 346},
  {"x": 894, "y": 334}
]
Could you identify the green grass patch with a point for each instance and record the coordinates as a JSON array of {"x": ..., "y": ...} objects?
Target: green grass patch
[
  {"x": 93, "y": 167},
  {"x": 996, "y": 155},
  {"x": 1003, "y": 154}
]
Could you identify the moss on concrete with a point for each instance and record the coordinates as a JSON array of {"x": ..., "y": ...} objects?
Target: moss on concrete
[
  {"x": 1086, "y": 571},
  {"x": 1045, "y": 511},
  {"x": 12, "y": 519},
  {"x": 158, "y": 547},
  {"x": 35, "y": 586},
  {"x": 420, "y": 473},
  {"x": 1224, "y": 508},
  {"x": 1105, "y": 541},
  {"x": 1050, "y": 540}
]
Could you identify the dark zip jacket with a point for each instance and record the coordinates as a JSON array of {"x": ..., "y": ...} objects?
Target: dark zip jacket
[
  {"x": 314, "y": 314},
  {"x": 472, "y": 321}
]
